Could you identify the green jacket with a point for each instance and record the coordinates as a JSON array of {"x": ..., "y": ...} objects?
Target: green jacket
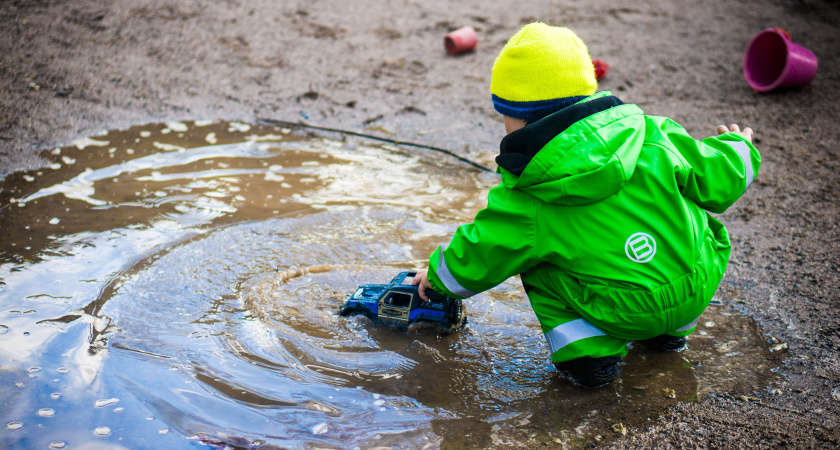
[{"x": 599, "y": 195}]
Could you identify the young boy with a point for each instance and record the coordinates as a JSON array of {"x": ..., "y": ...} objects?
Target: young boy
[{"x": 601, "y": 210}]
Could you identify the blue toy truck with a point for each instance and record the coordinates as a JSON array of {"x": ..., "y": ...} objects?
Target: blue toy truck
[{"x": 400, "y": 304}]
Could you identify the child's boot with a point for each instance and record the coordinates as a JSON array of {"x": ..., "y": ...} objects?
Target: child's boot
[
  {"x": 665, "y": 343},
  {"x": 591, "y": 372}
]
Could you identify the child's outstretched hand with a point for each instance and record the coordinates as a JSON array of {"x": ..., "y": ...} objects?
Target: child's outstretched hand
[
  {"x": 747, "y": 133},
  {"x": 421, "y": 280}
]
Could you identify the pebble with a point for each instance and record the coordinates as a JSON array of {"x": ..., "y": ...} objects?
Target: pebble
[{"x": 778, "y": 347}]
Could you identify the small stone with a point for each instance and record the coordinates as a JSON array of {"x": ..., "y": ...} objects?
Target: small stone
[
  {"x": 619, "y": 428},
  {"x": 835, "y": 393},
  {"x": 777, "y": 347}
]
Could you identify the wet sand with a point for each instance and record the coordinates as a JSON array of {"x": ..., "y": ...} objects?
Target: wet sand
[{"x": 70, "y": 69}]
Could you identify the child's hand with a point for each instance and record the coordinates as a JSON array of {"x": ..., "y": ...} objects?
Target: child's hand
[
  {"x": 747, "y": 133},
  {"x": 421, "y": 280}
]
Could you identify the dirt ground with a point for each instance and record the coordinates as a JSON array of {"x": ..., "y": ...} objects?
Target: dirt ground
[{"x": 69, "y": 69}]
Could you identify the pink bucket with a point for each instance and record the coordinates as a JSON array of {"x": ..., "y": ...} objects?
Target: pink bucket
[{"x": 772, "y": 61}]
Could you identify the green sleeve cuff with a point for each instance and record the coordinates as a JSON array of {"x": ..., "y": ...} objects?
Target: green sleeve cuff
[{"x": 434, "y": 280}]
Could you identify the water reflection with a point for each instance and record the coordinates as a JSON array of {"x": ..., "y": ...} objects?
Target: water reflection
[{"x": 178, "y": 283}]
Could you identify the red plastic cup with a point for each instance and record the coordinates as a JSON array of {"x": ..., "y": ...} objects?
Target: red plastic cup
[
  {"x": 601, "y": 68},
  {"x": 772, "y": 61},
  {"x": 460, "y": 41}
]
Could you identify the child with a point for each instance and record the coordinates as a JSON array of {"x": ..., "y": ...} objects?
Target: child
[{"x": 601, "y": 210}]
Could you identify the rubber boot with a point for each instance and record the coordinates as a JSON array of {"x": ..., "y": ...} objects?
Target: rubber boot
[
  {"x": 665, "y": 343},
  {"x": 591, "y": 372}
]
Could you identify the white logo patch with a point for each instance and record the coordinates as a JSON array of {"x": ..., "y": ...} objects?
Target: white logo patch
[{"x": 640, "y": 247}]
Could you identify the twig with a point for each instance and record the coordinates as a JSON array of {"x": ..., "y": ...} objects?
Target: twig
[{"x": 274, "y": 122}]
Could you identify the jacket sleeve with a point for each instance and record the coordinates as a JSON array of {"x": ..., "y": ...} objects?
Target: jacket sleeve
[
  {"x": 496, "y": 246},
  {"x": 717, "y": 170}
]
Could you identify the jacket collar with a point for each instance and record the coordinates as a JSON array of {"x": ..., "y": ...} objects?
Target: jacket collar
[{"x": 518, "y": 148}]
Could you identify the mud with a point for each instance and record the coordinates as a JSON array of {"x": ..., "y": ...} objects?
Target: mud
[{"x": 70, "y": 69}]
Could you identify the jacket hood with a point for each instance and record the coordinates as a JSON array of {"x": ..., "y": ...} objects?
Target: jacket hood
[{"x": 579, "y": 155}]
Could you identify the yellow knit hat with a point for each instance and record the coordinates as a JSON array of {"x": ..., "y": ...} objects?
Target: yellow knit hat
[{"x": 539, "y": 66}]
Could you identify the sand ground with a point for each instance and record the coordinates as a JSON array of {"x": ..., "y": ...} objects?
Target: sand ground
[{"x": 71, "y": 68}]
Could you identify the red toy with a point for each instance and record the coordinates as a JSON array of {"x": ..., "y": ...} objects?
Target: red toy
[
  {"x": 601, "y": 68},
  {"x": 460, "y": 41}
]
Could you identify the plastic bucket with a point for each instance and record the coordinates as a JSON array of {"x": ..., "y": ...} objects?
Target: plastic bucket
[
  {"x": 772, "y": 61},
  {"x": 460, "y": 40}
]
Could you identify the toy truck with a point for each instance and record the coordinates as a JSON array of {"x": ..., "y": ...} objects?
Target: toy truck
[{"x": 400, "y": 304}]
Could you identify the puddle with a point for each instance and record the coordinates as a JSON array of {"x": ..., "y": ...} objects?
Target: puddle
[{"x": 178, "y": 283}]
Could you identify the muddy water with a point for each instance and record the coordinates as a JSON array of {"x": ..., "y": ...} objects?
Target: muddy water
[{"x": 177, "y": 284}]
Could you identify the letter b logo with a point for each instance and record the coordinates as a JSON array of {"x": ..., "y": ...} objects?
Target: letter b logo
[{"x": 640, "y": 247}]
